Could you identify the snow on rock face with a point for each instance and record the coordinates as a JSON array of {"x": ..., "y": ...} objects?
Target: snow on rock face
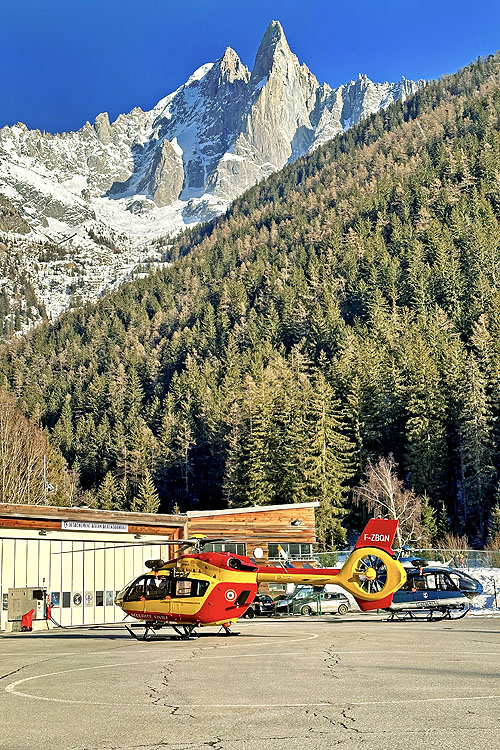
[{"x": 149, "y": 174}]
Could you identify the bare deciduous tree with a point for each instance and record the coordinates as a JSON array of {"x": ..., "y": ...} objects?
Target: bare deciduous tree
[
  {"x": 385, "y": 495},
  {"x": 30, "y": 471}
]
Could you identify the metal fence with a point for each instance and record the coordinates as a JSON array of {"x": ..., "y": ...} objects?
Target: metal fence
[{"x": 468, "y": 559}]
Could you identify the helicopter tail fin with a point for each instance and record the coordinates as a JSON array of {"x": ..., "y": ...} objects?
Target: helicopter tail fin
[{"x": 380, "y": 533}]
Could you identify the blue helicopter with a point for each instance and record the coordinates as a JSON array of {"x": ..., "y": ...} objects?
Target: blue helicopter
[{"x": 433, "y": 592}]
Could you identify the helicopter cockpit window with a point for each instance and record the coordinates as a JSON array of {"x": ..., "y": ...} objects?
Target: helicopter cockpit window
[
  {"x": 157, "y": 587},
  {"x": 189, "y": 587},
  {"x": 135, "y": 591},
  {"x": 160, "y": 587}
]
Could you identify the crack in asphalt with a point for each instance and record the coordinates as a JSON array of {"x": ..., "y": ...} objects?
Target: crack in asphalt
[
  {"x": 174, "y": 711},
  {"x": 331, "y": 734},
  {"x": 346, "y": 718},
  {"x": 31, "y": 664},
  {"x": 343, "y": 723},
  {"x": 215, "y": 744},
  {"x": 332, "y": 660},
  {"x": 15, "y": 671},
  {"x": 155, "y": 691}
]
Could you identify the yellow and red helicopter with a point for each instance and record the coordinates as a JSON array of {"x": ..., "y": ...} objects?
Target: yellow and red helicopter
[{"x": 199, "y": 588}]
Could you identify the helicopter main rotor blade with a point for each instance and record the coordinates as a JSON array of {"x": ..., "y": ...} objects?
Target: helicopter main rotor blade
[
  {"x": 120, "y": 546},
  {"x": 181, "y": 543}
]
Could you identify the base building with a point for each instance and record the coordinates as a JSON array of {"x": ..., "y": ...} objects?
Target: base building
[{"x": 83, "y": 557}]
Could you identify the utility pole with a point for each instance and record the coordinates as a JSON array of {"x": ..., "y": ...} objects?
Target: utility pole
[{"x": 45, "y": 479}]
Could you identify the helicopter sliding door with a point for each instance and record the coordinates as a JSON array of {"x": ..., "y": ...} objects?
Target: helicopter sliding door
[
  {"x": 434, "y": 589},
  {"x": 157, "y": 593},
  {"x": 188, "y": 595},
  {"x": 166, "y": 596}
]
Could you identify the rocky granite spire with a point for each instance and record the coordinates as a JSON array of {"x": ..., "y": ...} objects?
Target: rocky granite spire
[
  {"x": 231, "y": 68},
  {"x": 273, "y": 53},
  {"x": 150, "y": 173}
]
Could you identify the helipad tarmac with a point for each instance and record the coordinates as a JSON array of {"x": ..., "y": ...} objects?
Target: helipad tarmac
[{"x": 356, "y": 682}]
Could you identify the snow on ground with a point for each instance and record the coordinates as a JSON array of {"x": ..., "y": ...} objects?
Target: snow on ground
[{"x": 490, "y": 580}]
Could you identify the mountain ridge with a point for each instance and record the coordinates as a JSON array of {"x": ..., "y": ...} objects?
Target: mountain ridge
[{"x": 148, "y": 174}]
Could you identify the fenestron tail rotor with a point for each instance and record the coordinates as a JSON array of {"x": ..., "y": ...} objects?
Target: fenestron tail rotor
[{"x": 371, "y": 574}]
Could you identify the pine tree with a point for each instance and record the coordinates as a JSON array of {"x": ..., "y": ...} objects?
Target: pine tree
[
  {"x": 257, "y": 436},
  {"x": 109, "y": 495},
  {"x": 62, "y": 434},
  {"x": 494, "y": 520},
  {"x": 476, "y": 449},
  {"x": 428, "y": 522},
  {"x": 330, "y": 461},
  {"x": 147, "y": 499}
]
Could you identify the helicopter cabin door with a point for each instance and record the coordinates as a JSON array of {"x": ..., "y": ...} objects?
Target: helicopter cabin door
[
  {"x": 187, "y": 596},
  {"x": 434, "y": 589},
  {"x": 424, "y": 590},
  {"x": 157, "y": 599}
]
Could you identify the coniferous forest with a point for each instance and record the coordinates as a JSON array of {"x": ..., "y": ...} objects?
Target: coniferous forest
[{"x": 346, "y": 309}]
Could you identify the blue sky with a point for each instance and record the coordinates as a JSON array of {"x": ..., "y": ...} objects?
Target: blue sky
[{"x": 64, "y": 61}]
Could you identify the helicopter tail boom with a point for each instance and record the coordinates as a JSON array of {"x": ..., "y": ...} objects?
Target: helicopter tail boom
[
  {"x": 371, "y": 573},
  {"x": 312, "y": 576}
]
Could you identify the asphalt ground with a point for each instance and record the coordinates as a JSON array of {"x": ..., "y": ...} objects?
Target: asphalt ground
[{"x": 292, "y": 684}]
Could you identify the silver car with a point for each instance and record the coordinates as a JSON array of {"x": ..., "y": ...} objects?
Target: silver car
[{"x": 325, "y": 604}]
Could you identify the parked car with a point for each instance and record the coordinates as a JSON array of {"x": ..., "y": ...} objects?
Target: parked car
[
  {"x": 262, "y": 606},
  {"x": 305, "y": 600},
  {"x": 329, "y": 604}
]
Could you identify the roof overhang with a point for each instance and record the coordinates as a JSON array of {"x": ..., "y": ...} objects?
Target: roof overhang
[{"x": 252, "y": 509}]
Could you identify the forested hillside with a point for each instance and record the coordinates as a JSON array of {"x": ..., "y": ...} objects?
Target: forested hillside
[{"x": 345, "y": 309}]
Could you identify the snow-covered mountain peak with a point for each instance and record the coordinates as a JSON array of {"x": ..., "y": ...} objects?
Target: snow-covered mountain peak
[{"x": 113, "y": 189}]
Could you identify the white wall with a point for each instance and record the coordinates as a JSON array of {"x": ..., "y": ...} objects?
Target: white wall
[{"x": 28, "y": 559}]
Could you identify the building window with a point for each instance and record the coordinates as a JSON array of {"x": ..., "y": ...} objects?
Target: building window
[
  {"x": 294, "y": 550},
  {"x": 235, "y": 549}
]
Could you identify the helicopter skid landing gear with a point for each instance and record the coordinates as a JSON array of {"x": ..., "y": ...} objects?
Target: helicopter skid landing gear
[
  {"x": 225, "y": 630},
  {"x": 432, "y": 615},
  {"x": 146, "y": 635},
  {"x": 187, "y": 635},
  {"x": 150, "y": 633}
]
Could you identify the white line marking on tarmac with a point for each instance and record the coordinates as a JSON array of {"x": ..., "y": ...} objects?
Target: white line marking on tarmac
[
  {"x": 426, "y": 700},
  {"x": 119, "y": 651},
  {"x": 12, "y": 687}
]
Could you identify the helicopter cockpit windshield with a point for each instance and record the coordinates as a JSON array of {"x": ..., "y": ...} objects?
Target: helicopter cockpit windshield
[{"x": 151, "y": 587}]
